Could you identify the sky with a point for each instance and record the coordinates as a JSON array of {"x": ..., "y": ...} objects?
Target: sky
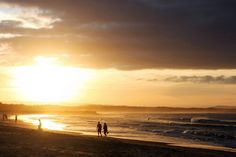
[{"x": 127, "y": 52}]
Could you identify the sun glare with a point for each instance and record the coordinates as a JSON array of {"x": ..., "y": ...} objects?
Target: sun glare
[
  {"x": 48, "y": 82},
  {"x": 47, "y": 123}
]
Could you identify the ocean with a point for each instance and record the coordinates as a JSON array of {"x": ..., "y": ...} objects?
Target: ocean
[{"x": 213, "y": 130}]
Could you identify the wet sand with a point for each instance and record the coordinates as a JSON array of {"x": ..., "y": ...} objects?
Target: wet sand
[{"x": 23, "y": 142}]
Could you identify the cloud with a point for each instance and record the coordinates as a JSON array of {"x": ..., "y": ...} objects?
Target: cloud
[
  {"x": 9, "y": 35},
  {"x": 32, "y": 18},
  {"x": 134, "y": 34},
  {"x": 197, "y": 79}
]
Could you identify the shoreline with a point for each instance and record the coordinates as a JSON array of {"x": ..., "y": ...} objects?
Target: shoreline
[
  {"x": 185, "y": 143},
  {"x": 59, "y": 143}
]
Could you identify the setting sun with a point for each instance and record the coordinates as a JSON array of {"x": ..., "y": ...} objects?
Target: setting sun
[{"x": 48, "y": 82}]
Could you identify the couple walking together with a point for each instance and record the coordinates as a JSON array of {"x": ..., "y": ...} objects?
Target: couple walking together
[{"x": 99, "y": 129}]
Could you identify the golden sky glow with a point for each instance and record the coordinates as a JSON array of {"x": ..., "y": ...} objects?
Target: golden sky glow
[{"x": 48, "y": 81}]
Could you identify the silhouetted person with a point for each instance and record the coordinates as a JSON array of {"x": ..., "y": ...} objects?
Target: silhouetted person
[
  {"x": 16, "y": 118},
  {"x": 99, "y": 128},
  {"x": 4, "y": 116},
  {"x": 105, "y": 130},
  {"x": 40, "y": 125}
]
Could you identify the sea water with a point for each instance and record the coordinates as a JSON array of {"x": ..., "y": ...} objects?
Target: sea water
[{"x": 216, "y": 130}]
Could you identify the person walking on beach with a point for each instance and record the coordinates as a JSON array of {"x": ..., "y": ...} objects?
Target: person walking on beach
[
  {"x": 40, "y": 125},
  {"x": 16, "y": 118},
  {"x": 4, "y": 116},
  {"x": 105, "y": 130},
  {"x": 99, "y": 129}
]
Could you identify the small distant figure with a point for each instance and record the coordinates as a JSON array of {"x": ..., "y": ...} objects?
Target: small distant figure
[
  {"x": 16, "y": 118},
  {"x": 99, "y": 129},
  {"x": 105, "y": 129},
  {"x": 40, "y": 125},
  {"x": 4, "y": 117}
]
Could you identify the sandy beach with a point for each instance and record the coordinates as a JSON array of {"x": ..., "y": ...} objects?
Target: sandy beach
[{"x": 17, "y": 141}]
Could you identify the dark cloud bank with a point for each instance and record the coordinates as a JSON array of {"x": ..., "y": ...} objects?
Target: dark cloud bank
[
  {"x": 134, "y": 34},
  {"x": 197, "y": 79}
]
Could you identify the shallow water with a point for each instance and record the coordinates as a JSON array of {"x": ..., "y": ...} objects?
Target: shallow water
[{"x": 193, "y": 129}]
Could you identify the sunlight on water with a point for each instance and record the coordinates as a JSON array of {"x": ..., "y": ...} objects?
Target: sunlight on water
[{"x": 46, "y": 122}]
